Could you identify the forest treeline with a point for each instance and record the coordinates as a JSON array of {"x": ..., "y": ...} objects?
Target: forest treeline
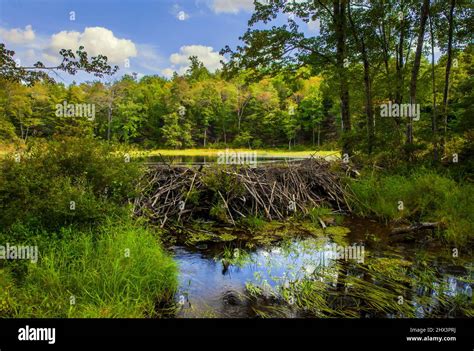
[{"x": 282, "y": 88}]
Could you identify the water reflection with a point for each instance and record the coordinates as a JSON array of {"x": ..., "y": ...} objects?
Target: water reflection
[
  {"x": 203, "y": 160},
  {"x": 303, "y": 277}
]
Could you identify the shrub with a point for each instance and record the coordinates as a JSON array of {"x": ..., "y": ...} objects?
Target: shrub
[{"x": 38, "y": 191}]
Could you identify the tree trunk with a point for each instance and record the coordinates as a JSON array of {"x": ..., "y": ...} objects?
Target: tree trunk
[
  {"x": 399, "y": 66},
  {"x": 368, "y": 106},
  {"x": 416, "y": 66},
  {"x": 340, "y": 31},
  {"x": 399, "y": 72},
  {"x": 434, "y": 127},
  {"x": 319, "y": 134},
  {"x": 448, "y": 73},
  {"x": 109, "y": 122},
  {"x": 386, "y": 58},
  {"x": 367, "y": 83}
]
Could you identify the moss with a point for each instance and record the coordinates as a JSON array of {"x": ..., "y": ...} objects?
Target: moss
[
  {"x": 338, "y": 234},
  {"x": 337, "y": 230},
  {"x": 265, "y": 239},
  {"x": 194, "y": 238},
  {"x": 312, "y": 228},
  {"x": 227, "y": 237}
]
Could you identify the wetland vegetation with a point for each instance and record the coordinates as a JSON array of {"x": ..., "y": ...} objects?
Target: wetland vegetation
[{"x": 334, "y": 210}]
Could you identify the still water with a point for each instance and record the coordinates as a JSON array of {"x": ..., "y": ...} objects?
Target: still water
[{"x": 312, "y": 276}]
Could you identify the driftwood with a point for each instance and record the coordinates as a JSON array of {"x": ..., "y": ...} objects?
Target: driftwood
[
  {"x": 416, "y": 227},
  {"x": 272, "y": 192}
]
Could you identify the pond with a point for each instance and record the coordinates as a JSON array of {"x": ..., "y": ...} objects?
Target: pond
[
  {"x": 310, "y": 274},
  {"x": 246, "y": 158}
]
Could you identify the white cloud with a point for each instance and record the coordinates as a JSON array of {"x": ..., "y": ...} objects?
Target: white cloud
[
  {"x": 99, "y": 40},
  {"x": 231, "y": 6},
  {"x": 167, "y": 72},
  {"x": 18, "y": 35},
  {"x": 180, "y": 61},
  {"x": 50, "y": 59},
  {"x": 148, "y": 58},
  {"x": 95, "y": 40}
]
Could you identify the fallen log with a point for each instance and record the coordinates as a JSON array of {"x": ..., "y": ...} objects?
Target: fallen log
[{"x": 417, "y": 227}]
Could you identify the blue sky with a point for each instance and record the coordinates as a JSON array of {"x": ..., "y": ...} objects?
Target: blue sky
[{"x": 155, "y": 36}]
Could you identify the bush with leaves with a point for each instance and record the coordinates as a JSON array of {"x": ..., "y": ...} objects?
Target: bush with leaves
[{"x": 65, "y": 181}]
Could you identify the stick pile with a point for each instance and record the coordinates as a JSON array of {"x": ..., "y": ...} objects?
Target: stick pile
[{"x": 273, "y": 192}]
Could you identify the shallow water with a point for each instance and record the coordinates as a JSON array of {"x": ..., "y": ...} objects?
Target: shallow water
[
  {"x": 209, "y": 160},
  {"x": 230, "y": 280}
]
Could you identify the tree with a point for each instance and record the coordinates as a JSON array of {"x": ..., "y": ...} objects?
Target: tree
[
  {"x": 360, "y": 32},
  {"x": 448, "y": 69},
  {"x": 416, "y": 64},
  {"x": 71, "y": 63},
  {"x": 287, "y": 47}
]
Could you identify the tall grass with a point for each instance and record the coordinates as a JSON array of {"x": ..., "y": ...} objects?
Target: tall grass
[
  {"x": 122, "y": 271},
  {"x": 426, "y": 196}
]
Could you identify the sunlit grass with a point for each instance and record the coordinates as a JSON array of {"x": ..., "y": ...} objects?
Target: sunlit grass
[
  {"x": 215, "y": 152},
  {"x": 426, "y": 196},
  {"x": 117, "y": 271},
  {"x": 6, "y": 149}
]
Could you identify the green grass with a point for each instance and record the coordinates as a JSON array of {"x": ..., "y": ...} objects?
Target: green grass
[
  {"x": 426, "y": 196},
  {"x": 94, "y": 268}
]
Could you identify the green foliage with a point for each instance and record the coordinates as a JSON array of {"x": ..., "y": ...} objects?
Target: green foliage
[
  {"x": 253, "y": 223},
  {"x": 116, "y": 271},
  {"x": 317, "y": 213},
  {"x": 426, "y": 196},
  {"x": 38, "y": 190}
]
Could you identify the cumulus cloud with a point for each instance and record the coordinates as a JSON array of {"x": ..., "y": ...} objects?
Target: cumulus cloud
[
  {"x": 149, "y": 58},
  {"x": 18, "y": 35},
  {"x": 95, "y": 40},
  {"x": 180, "y": 60},
  {"x": 31, "y": 46},
  {"x": 231, "y": 6},
  {"x": 167, "y": 72}
]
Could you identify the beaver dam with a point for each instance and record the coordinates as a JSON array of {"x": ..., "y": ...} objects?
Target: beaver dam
[
  {"x": 228, "y": 193},
  {"x": 287, "y": 268}
]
